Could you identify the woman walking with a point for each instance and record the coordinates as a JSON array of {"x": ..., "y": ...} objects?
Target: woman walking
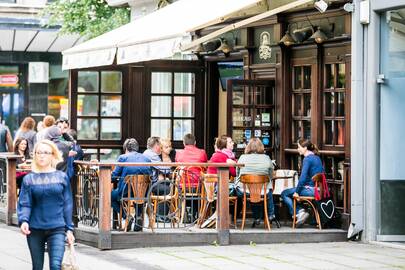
[{"x": 45, "y": 207}]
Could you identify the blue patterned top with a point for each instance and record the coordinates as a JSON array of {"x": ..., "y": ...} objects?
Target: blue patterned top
[
  {"x": 311, "y": 165},
  {"x": 45, "y": 201}
]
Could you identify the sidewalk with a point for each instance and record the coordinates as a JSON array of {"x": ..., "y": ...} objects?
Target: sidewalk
[{"x": 14, "y": 255}]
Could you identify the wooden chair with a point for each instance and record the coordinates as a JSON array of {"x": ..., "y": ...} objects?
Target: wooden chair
[
  {"x": 184, "y": 180},
  {"x": 255, "y": 184},
  {"x": 171, "y": 199},
  {"x": 208, "y": 192},
  {"x": 135, "y": 196},
  {"x": 317, "y": 178}
]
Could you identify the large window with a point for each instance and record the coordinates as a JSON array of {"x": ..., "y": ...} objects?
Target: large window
[
  {"x": 301, "y": 103},
  {"x": 334, "y": 104},
  {"x": 172, "y": 104},
  {"x": 99, "y": 105}
]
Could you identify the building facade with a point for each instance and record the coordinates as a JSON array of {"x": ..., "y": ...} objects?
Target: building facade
[
  {"x": 378, "y": 72},
  {"x": 32, "y": 82}
]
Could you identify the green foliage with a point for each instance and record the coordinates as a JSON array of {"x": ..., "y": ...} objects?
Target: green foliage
[{"x": 88, "y": 18}]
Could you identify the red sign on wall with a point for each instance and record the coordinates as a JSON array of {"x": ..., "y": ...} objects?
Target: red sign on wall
[{"x": 8, "y": 80}]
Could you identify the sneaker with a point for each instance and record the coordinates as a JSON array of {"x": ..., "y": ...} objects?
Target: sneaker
[
  {"x": 138, "y": 225},
  {"x": 256, "y": 222},
  {"x": 273, "y": 218},
  {"x": 301, "y": 218}
]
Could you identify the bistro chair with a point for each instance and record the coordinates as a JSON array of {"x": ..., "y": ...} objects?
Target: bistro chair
[
  {"x": 210, "y": 181},
  {"x": 172, "y": 199},
  {"x": 189, "y": 190},
  {"x": 256, "y": 184},
  {"x": 135, "y": 196},
  {"x": 317, "y": 178}
]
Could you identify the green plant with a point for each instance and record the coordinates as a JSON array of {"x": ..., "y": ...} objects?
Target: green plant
[{"x": 88, "y": 18}]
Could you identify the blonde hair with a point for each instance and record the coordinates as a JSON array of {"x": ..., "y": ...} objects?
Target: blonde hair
[
  {"x": 57, "y": 156},
  {"x": 165, "y": 141}
]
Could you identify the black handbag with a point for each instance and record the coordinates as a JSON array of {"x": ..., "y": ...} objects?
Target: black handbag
[{"x": 324, "y": 203}]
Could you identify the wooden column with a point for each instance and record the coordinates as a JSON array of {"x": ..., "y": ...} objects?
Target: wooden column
[
  {"x": 11, "y": 189},
  {"x": 104, "y": 236},
  {"x": 223, "y": 206}
]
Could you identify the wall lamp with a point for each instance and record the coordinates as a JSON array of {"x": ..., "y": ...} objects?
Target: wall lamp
[
  {"x": 302, "y": 34},
  {"x": 225, "y": 48},
  {"x": 319, "y": 36},
  {"x": 287, "y": 39}
]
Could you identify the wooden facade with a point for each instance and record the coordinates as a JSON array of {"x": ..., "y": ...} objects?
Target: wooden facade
[{"x": 310, "y": 86}]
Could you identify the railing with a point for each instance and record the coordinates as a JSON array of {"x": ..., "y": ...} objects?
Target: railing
[
  {"x": 8, "y": 186},
  {"x": 93, "y": 198}
]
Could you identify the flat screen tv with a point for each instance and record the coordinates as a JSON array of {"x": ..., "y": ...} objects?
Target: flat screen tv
[{"x": 230, "y": 71}]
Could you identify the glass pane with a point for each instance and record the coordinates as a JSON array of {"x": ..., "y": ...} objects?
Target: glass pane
[
  {"x": 340, "y": 170},
  {"x": 329, "y": 167},
  {"x": 87, "y": 105},
  {"x": 329, "y": 76},
  {"x": 297, "y": 83},
  {"x": 110, "y": 105},
  {"x": 329, "y": 100},
  {"x": 307, "y": 105},
  {"x": 110, "y": 129},
  {"x": 87, "y": 129},
  {"x": 265, "y": 137},
  {"x": 181, "y": 128},
  {"x": 238, "y": 137},
  {"x": 297, "y": 104},
  {"x": 90, "y": 154},
  {"x": 297, "y": 130},
  {"x": 265, "y": 116},
  {"x": 87, "y": 81},
  {"x": 184, "y": 83},
  {"x": 183, "y": 107},
  {"x": 340, "y": 132},
  {"x": 161, "y": 82},
  {"x": 307, "y": 129},
  {"x": 340, "y": 106},
  {"x": 242, "y": 117},
  {"x": 329, "y": 131},
  {"x": 341, "y": 82},
  {"x": 307, "y": 77},
  {"x": 237, "y": 95},
  {"x": 111, "y": 81},
  {"x": 161, "y": 128},
  {"x": 264, "y": 95},
  {"x": 161, "y": 106},
  {"x": 109, "y": 154}
]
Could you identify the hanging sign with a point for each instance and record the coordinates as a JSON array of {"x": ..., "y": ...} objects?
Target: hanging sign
[{"x": 9, "y": 80}]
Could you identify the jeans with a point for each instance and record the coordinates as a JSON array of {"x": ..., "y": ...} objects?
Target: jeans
[
  {"x": 287, "y": 196},
  {"x": 55, "y": 238},
  {"x": 257, "y": 208},
  {"x": 116, "y": 197}
]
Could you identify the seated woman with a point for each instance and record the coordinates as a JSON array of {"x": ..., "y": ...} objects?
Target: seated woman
[
  {"x": 21, "y": 148},
  {"x": 223, "y": 154},
  {"x": 311, "y": 165},
  {"x": 256, "y": 163},
  {"x": 168, "y": 154}
]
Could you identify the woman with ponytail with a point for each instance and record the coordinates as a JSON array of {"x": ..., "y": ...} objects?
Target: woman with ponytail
[{"x": 311, "y": 165}]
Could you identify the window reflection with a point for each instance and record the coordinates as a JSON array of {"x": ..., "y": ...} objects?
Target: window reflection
[
  {"x": 307, "y": 77},
  {"x": 341, "y": 82},
  {"x": 329, "y": 131},
  {"x": 87, "y": 81},
  {"x": 241, "y": 117},
  {"x": 237, "y": 95},
  {"x": 110, "y": 105},
  {"x": 329, "y": 99},
  {"x": 297, "y": 105},
  {"x": 264, "y": 95},
  {"x": 340, "y": 106},
  {"x": 161, "y": 82},
  {"x": 109, "y": 154},
  {"x": 181, "y": 128},
  {"x": 307, "y": 129},
  {"x": 297, "y": 78},
  {"x": 184, "y": 83},
  {"x": 341, "y": 132},
  {"x": 111, "y": 81},
  {"x": 161, "y": 128},
  {"x": 161, "y": 106},
  {"x": 110, "y": 129},
  {"x": 183, "y": 106},
  {"x": 329, "y": 76},
  {"x": 87, "y": 129},
  {"x": 87, "y": 105},
  {"x": 307, "y": 105}
]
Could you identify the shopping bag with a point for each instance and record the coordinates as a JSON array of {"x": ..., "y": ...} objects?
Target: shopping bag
[
  {"x": 69, "y": 259},
  {"x": 324, "y": 203}
]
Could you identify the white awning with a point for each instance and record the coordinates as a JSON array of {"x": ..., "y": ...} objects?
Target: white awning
[{"x": 155, "y": 36}]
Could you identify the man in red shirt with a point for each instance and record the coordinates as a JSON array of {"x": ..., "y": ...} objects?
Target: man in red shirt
[{"x": 191, "y": 153}]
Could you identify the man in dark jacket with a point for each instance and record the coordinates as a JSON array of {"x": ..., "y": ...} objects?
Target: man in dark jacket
[{"x": 54, "y": 134}]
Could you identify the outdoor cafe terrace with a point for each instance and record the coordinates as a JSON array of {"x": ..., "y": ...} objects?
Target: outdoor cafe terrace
[{"x": 214, "y": 222}]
